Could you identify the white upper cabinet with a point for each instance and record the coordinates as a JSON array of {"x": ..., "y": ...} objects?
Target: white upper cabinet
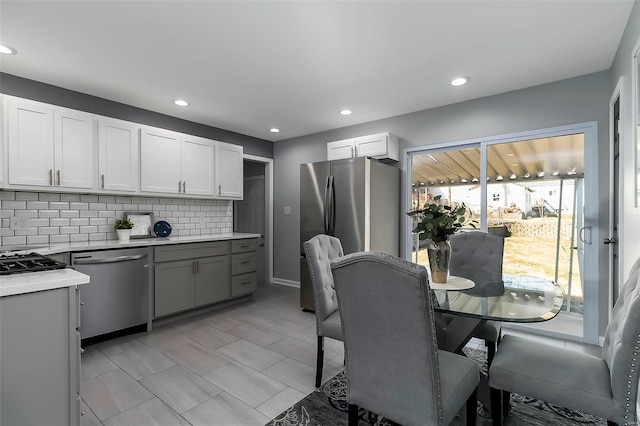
[
  {"x": 160, "y": 161},
  {"x": 117, "y": 155},
  {"x": 176, "y": 163},
  {"x": 229, "y": 177},
  {"x": 197, "y": 165},
  {"x": 381, "y": 146},
  {"x": 46, "y": 147},
  {"x": 49, "y": 146}
]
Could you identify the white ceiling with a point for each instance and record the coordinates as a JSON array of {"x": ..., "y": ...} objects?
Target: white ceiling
[{"x": 247, "y": 66}]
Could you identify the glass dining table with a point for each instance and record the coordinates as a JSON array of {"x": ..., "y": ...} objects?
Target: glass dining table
[{"x": 475, "y": 297}]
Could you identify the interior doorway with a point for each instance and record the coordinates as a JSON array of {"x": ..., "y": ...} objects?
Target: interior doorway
[{"x": 253, "y": 213}]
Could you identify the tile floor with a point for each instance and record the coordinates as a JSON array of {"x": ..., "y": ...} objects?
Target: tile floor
[{"x": 239, "y": 366}]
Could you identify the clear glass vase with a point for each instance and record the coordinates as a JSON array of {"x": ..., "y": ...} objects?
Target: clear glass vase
[{"x": 439, "y": 254}]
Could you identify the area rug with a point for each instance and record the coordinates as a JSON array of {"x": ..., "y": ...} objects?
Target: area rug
[{"x": 327, "y": 406}]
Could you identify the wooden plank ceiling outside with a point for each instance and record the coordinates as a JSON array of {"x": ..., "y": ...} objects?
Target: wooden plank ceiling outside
[{"x": 545, "y": 158}]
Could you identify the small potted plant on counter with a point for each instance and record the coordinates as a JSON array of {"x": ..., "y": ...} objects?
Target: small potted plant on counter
[{"x": 123, "y": 229}]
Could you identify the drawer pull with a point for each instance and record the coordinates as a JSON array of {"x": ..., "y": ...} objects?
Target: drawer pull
[
  {"x": 244, "y": 246},
  {"x": 245, "y": 261},
  {"x": 245, "y": 283}
]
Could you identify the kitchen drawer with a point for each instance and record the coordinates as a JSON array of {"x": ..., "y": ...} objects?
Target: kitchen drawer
[
  {"x": 241, "y": 246},
  {"x": 243, "y": 263},
  {"x": 243, "y": 284},
  {"x": 191, "y": 251}
]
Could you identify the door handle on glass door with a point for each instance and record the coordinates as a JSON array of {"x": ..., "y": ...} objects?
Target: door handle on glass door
[{"x": 609, "y": 241}]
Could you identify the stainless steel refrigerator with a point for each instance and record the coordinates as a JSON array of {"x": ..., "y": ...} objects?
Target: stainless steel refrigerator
[{"x": 356, "y": 200}]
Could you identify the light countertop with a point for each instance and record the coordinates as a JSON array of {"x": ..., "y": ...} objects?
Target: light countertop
[
  {"x": 134, "y": 242},
  {"x": 38, "y": 281},
  {"x": 48, "y": 280}
]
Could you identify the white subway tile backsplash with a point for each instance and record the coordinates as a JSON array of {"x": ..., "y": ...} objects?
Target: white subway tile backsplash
[
  {"x": 78, "y": 237},
  {"x": 88, "y": 198},
  {"x": 14, "y": 205},
  {"x": 62, "y": 221},
  {"x": 69, "y": 213},
  {"x": 53, "y": 239},
  {"x": 59, "y": 205},
  {"x": 7, "y": 195},
  {"x": 69, "y": 230},
  {"x": 27, "y": 196},
  {"x": 97, "y": 206},
  {"x": 26, "y": 213},
  {"x": 43, "y": 222},
  {"x": 58, "y": 218},
  {"x": 15, "y": 240},
  {"x": 79, "y": 206},
  {"x": 50, "y": 230},
  {"x": 38, "y": 239},
  {"x": 88, "y": 229},
  {"x": 50, "y": 213},
  {"x": 70, "y": 197},
  {"x": 48, "y": 196},
  {"x": 37, "y": 205},
  {"x": 79, "y": 221}
]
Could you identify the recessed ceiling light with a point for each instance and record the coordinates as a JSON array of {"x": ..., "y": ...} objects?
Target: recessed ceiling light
[
  {"x": 7, "y": 50},
  {"x": 346, "y": 112},
  {"x": 274, "y": 130},
  {"x": 459, "y": 81},
  {"x": 181, "y": 102}
]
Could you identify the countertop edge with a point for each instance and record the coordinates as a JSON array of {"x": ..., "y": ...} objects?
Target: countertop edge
[
  {"x": 17, "y": 284},
  {"x": 141, "y": 242}
]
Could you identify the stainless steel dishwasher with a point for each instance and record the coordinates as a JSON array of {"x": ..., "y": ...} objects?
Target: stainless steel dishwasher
[{"x": 117, "y": 297}]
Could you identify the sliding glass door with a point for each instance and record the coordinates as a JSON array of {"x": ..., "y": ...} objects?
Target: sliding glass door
[{"x": 530, "y": 190}]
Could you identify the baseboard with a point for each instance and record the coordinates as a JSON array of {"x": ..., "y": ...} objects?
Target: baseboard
[{"x": 288, "y": 283}]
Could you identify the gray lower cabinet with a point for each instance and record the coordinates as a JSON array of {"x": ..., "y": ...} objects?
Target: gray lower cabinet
[
  {"x": 190, "y": 275},
  {"x": 244, "y": 278},
  {"x": 40, "y": 358}
]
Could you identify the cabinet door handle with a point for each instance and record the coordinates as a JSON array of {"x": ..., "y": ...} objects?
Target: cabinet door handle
[
  {"x": 193, "y": 267},
  {"x": 352, "y": 152},
  {"x": 50, "y": 177},
  {"x": 356, "y": 150},
  {"x": 179, "y": 186},
  {"x": 219, "y": 189},
  {"x": 58, "y": 176},
  {"x": 184, "y": 187},
  {"x": 102, "y": 181},
  {"x": 197, "y": 267}
]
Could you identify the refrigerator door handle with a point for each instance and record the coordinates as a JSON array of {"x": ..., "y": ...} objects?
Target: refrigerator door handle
[
  {"x": 332, "y": 206},
  {"x": 325, "y": 208}
]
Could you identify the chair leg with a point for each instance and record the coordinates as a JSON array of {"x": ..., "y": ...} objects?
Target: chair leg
[
  {"x": 353, "y": 415},
  {"x": 491, "y": 351},
  {"x": 472, "y": 408},
  {"x": 496, "y": 406},
  {"x": 506, "y": 403},
  {"x": 319, "y": 361}
]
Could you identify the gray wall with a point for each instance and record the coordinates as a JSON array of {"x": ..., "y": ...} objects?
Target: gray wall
[
  {"x": 37, "y": 91},
  {"x": 630, "y": 215},
  {"x": 571, "y": 101}
]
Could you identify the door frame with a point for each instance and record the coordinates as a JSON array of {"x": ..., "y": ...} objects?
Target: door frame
[
  {"x": 591, "y": 230},
  {"x": 268, "y": 209},
  {"x": 618, "y": 96}
]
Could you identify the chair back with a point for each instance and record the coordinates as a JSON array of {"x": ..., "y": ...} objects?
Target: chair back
[
  {"x": 621, "y": 348},
  {"x": 389, "y": 336},
  {"x": 320, "y": 250},
  {"x": 473, "y": 251}
]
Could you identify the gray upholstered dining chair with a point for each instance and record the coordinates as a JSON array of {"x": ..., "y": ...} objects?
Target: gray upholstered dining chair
[
  {"x": 479, "y": 251},
  {"x": 393, "y": 365},
  {"x": 605, "y": 386},
  {"x": 320, "y": 250}
]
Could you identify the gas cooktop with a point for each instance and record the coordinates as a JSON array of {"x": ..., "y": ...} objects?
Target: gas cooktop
[{"x": 32, "y": 262}]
